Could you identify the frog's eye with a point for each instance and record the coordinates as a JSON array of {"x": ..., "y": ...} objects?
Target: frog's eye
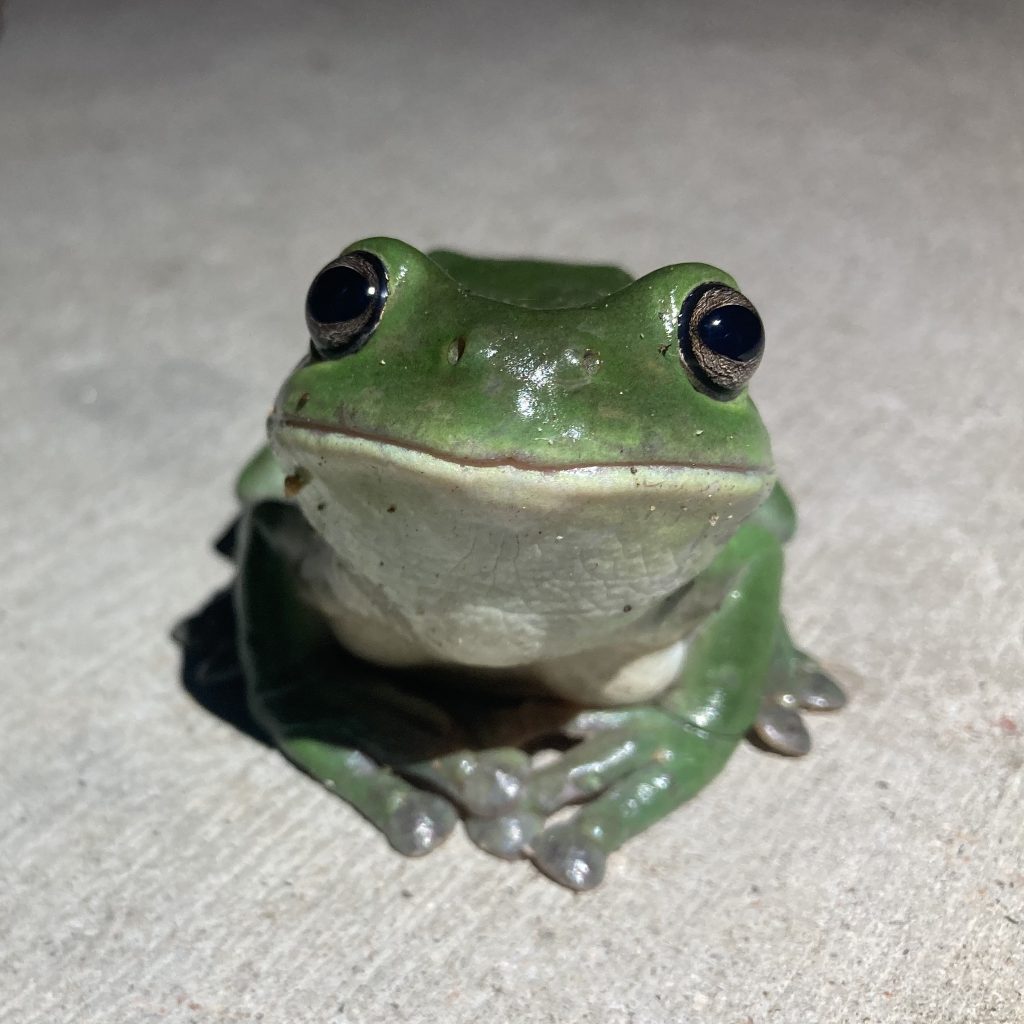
[
  {"x": 344, "y": 304},
  {"x": 721, "y": 339}
]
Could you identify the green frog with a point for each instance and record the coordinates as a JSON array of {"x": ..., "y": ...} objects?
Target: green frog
[{"x": 513, "y": 553}]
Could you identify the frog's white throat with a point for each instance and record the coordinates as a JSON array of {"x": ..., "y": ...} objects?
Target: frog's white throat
[{"x": 564, "y": 578}]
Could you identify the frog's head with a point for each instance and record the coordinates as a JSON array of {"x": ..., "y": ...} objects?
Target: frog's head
[
  {"x": 522, "y": 396},
  {"x": 644, "y": 373}
]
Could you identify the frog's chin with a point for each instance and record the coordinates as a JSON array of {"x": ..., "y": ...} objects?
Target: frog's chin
[{"x": 499, "y": 566}]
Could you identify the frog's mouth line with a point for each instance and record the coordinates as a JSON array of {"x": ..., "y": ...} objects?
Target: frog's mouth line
[{"x": 506, "y": 461}]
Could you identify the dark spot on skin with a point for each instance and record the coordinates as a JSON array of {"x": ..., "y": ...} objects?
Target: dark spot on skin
[
  {"x": 627, "y": 607},
  {"x": 294, "y": 482},
  {"x": 391, "y": 508},
  {"x": 633, "y": 470},
  {"x": 303, "y": 399},
  {"x": 321, "y": 506}
]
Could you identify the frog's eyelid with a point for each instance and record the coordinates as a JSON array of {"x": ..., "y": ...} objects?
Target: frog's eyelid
[
  {"x": 722, "y": 366},
  {"x": 344, "y": 304}
]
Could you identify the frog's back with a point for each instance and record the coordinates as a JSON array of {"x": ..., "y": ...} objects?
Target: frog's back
[{"x": 536, "y": 284}]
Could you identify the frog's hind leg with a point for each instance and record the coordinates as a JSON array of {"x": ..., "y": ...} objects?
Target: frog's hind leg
[{"x": 795, "y": 682}]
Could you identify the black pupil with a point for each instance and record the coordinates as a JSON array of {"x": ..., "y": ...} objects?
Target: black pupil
[
  {"x": 340, "y": 294},
  {"x": 732, "y": 331}
]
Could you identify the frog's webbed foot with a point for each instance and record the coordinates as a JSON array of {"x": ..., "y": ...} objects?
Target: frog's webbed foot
[
  {"x": 506, "y": 737},
  {"x": 796, "y": 684},
  {"x": 630, "y": 768},
  {"x": 581, "y": 772}
]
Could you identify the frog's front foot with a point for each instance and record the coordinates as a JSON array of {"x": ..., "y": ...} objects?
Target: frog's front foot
[
  {"x": 631, "y": 767},
  {"x": 800, "y": 687}
]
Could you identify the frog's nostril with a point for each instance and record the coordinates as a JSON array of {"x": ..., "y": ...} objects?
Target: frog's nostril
[{"x": 456, "y": 350}]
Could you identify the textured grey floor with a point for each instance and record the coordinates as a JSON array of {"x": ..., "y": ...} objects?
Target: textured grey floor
[{"x": 172, "y": 175}]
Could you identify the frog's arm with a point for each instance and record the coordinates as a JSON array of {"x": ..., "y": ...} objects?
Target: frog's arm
[
  {"x": 345, "y": 722},
  {"x": 794, "y": 681},
  {"x": 261, "y": 479},
  {"x": 635, "y": 765},
  {"x": 285, "y": 649}
]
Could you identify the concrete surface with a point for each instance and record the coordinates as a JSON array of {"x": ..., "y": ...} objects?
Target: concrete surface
[{"x": 172, "y": 175}]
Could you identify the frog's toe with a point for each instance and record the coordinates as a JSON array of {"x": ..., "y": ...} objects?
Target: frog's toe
[
  {"x": 483, "y": 784},
  {"x": 420, "y": 823},
  {"x": 507, "y": 835},
  {"x": 569, "y": 857},
  {"x": 795, "y": 684},
  {"x": 819, "y": 692},
  {"x": 495, "y": 781},
  {"x": 780, "y": 728}
]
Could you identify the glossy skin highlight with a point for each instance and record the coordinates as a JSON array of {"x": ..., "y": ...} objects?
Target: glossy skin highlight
[{"x": 514, "y": 513}]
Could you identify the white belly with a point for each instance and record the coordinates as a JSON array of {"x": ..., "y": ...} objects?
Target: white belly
[{"x": 564, "y": 579}]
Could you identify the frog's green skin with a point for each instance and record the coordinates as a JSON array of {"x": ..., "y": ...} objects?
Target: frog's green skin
[{"x": 511, "y": 514}]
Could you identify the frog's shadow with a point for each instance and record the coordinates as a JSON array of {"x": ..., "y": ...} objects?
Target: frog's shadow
[
  {"x": 210, "y": 670},
  {"x": 212, "y": 675}
]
